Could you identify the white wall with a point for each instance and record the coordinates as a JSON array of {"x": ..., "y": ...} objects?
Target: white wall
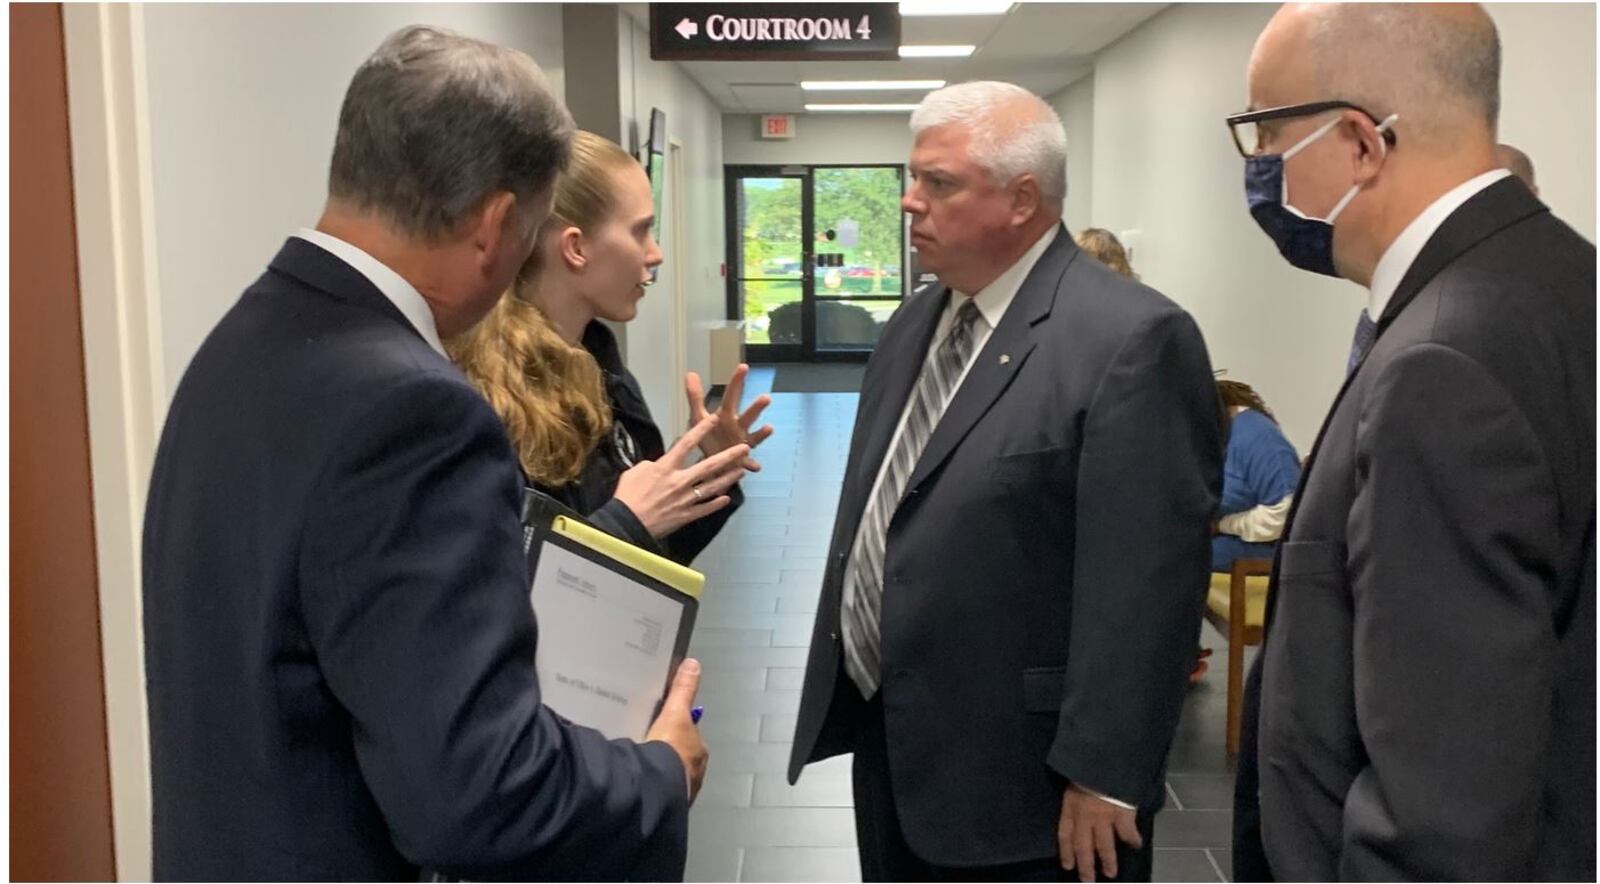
[
  {"x": 697, "y": 250},
  {"x": 1075, "y": 105},
  {"x": 869, "y": 139},
  {"x": 1547, "y": 100},
  {"x": 244, "y": 100},
  {"x": 1163, "y": 164}
]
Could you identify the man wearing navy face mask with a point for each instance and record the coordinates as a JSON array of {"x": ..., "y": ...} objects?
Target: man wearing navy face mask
[
  {"x": 1426, "y": 690},
  {"x": 1306, "y": 242}
]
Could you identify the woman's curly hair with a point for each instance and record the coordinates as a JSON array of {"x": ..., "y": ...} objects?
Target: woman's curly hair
[{"x": 549, "y": 394}]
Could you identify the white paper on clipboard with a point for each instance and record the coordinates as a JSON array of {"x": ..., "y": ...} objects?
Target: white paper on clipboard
[{"x": 605, "y": 643}]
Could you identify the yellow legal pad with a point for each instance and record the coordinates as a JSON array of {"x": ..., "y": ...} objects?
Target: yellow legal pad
[{"x": 685, "y": 580}]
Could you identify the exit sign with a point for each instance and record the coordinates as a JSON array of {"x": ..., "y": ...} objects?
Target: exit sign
[
  {"x": 777, "y": 126},
  {"x": 775, "y": 31}
]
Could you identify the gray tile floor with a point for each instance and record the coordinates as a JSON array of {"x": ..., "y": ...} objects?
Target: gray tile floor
[{"x": 764, "y": 572}]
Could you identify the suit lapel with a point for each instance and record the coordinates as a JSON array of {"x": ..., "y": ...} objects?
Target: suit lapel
[
  {"x": 1001, "y": 358},
  {"x": 903, "y": 357}
]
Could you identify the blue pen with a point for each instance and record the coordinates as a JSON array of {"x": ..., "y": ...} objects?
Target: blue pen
[{"x": 695, "y": 713}]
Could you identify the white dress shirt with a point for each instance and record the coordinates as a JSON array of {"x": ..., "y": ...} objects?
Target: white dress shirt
[
  {"x": 402, "y": 294},
  {"x": 1403, "y": 252}
]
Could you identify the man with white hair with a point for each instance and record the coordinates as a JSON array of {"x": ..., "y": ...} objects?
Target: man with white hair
[
  {"x": 1013, "y": 594},
  {"x": 1427, "y": 683}
]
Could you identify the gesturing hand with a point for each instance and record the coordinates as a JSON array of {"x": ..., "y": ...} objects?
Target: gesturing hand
[
  {"x": 732, "y": 428},
  {"x": 1090, "y": 826},
  {"x": 665, "y": 495}
]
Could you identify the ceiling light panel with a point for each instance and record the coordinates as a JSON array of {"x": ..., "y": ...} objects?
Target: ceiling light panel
[
  {"x": 870, "y": 85},
  {"x": 861, "y": 108},
  {"x": 939, "y": 51},
  {"x": 963, "y": 7}
]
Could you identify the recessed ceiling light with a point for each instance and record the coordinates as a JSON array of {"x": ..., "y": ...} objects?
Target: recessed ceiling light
[
  {"x": 869, "y": 85},
  {"x": 862, "y": 108},
  {"x": 963, "y": 7},
  {"x": 936, "y": 51}
]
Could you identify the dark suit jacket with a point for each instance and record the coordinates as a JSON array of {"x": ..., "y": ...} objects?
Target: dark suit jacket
[
  {"x": 339, "y": 644},
  {"x": 1427, "y": 697},
  {"x": 1044, "y": 574}
]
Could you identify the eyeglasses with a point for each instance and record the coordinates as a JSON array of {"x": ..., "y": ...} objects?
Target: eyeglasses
[{"x": 1250, "y": 128}]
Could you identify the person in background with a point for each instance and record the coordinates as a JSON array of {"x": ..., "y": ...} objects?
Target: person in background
[
  {"x": 1107, "y": 249},
  {"x": 1427, "y": 681},
  {"x": 555, "y": 375},
  {"x": 1258, "y": 481},
  {"x": 1517, "y": 163},
  {"x": 338, "y": 641},
  {"x": 1259, "y": 476}
]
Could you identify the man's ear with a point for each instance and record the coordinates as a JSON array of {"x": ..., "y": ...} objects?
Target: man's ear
[
  {"x": 1026, "y": 199},
  {"x": 496, "y": 224},
  {"x": 1369, "y": 147}
]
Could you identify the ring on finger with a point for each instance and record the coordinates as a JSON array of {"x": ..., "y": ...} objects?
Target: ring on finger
[{"x": 698, "y": 495}]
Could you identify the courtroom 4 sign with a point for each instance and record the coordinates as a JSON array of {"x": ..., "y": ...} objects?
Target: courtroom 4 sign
[
  {"x": 722, "y": 29},
  {"x": 774, "y": 31}
]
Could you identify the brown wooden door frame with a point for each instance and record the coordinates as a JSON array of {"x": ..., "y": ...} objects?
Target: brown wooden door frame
[{"x": 61, "y": 817}]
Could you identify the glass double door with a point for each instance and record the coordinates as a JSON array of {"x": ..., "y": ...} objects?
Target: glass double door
[{"x": 816, "y": 258}]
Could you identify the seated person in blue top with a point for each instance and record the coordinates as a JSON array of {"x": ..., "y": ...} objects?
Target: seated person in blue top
[
  {"x": 554, "y": 372},
  {"x": 1259, "y": 477}
]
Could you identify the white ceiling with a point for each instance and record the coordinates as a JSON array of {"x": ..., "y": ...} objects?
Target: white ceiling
[{"x": 1043, "y": 47}]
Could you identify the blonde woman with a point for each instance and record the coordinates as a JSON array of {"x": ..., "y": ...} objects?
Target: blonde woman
[{"x": 554, "y": 372}]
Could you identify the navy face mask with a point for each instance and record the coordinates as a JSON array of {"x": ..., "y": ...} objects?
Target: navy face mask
[{"x": 1305, "y": 242}]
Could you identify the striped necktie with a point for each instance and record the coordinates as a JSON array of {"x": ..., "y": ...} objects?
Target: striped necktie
[{"x": 863, "y": 582}]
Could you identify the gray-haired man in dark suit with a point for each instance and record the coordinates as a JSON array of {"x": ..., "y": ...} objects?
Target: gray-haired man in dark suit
[{"x": 339, "y": 642}]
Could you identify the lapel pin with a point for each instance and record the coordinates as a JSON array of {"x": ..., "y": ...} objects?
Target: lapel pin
[{"x": 1005, "y": 358}]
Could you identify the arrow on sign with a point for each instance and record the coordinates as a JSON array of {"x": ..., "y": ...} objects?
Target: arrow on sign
[{"x": 687, "y": 29}]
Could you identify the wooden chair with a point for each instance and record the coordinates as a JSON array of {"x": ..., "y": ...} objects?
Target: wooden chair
[{"x": 1236, "y": 605}]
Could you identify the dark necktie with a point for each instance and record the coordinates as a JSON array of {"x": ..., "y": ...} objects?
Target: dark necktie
[{"x": 1366, "y": 333}]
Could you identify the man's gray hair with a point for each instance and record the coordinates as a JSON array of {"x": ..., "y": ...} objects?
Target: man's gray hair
[
  {"x": 434, "y": 123},
  {"x": 1437, "y": 69},
  {"x": 1032, "y": 141}
]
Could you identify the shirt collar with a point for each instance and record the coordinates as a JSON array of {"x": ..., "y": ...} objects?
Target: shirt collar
[
  {"x": 994, "y": 298},
  {"x": 1403, "y": 252},
  {"x": 402, "y": 294}
]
